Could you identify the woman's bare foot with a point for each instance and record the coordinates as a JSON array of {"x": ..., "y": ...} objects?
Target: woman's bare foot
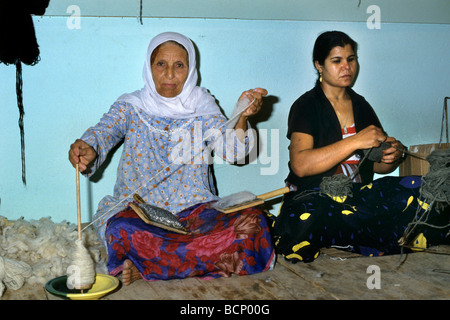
[{"x": 129, "y": 273}]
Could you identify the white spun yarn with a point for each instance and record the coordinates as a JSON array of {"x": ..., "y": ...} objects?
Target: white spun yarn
[
  {"x": 44, "y": 247},
  {"x": 81, "y": 272}
]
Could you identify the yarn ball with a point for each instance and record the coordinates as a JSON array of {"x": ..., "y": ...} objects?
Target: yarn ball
[{"x": 375, "y": 154}]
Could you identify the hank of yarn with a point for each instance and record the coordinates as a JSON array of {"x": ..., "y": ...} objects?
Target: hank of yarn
[
  {"x": 81, "y": 273},
  {"x": 13, "y": 273},
  {"x": 338, "y": 185},
  {"x": 436, "y": 182}
]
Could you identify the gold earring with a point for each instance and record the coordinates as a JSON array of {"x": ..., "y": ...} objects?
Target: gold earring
[{"x": 320, "y": 77}]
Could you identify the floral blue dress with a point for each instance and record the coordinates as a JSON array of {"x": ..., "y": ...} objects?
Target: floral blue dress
[{"x": 167, "y": 162}]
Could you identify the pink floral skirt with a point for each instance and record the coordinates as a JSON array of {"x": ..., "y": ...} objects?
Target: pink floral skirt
[{"x": 218, "y": 244}]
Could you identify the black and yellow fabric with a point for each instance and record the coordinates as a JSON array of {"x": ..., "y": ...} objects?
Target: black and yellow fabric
[{"x": 370, "y": 222}]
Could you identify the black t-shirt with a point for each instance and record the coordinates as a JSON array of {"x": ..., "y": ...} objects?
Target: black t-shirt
[{"x": 313, "y": 114}]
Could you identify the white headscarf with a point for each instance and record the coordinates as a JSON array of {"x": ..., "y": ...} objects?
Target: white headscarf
[{"x": 193, "y": 101}]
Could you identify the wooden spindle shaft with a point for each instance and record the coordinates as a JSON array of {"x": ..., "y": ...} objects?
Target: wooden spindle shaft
[{"x": 78, "y": 201}]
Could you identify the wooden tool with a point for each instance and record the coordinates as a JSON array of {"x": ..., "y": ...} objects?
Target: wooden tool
[
  {"x": 146, "y": 218},
  {"x": 234, "y": 202},
  {"x": 84, "y": 261},
  {"x": 78, "y": 201}
]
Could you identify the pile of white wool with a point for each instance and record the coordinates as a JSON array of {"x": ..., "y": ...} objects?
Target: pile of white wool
[{"x": 37, "y": 251}]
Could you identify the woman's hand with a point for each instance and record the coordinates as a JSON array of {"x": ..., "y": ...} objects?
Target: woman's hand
[
  {"x": 370, "y": 137},
  {"x": 256, "y": 94},
  {"x": 394, "y": 153},
  {"x": 82, "y": 153}
]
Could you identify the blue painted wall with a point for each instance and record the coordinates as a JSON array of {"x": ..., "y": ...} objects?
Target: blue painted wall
[{"x": 404, "y": 75}]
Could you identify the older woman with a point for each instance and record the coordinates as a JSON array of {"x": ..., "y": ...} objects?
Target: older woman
[
  {"x": 171, "y": 114},
  {"x": 329, "y": 127}
]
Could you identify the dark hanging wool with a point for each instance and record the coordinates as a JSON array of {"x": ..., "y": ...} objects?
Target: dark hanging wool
[{"x": 18, "y": 45}]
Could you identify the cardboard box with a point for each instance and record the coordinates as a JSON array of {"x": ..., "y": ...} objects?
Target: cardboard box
[{"x": 415, "y": 163}]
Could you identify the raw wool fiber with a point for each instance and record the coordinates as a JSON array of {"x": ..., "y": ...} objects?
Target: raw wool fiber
[{"x": 37, "y": 251}]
